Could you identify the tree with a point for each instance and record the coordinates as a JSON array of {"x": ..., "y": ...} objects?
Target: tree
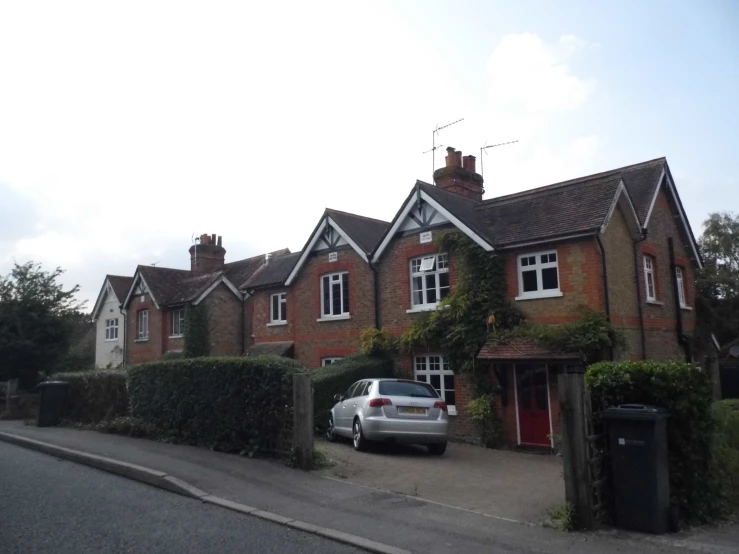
[
  {"x": 37, "y": 319},
  {"x": 718, "y": 283}
]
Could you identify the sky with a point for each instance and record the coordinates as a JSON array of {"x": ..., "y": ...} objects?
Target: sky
[{"x": 128, "y": 128}]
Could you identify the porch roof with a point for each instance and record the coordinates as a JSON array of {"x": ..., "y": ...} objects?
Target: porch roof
[
  {"x": 522, "y": 349},
  {"x": 272, "y": 349}
]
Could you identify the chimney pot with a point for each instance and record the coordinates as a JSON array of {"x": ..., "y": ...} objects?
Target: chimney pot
[
  {"x": 468, "y": 162},
  {"x": 213, "y": 238},
  {"x": 460, "y": 175},
  {"x": 450, "y": 156},
  {"x": 220, "y": 240}
]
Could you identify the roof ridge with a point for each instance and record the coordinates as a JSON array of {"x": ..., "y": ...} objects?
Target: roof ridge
[
  {"x": 120, "y": 276},
  {"x": 574, "y": 181},
  {"x": 167, "y": 268},
  {"x": 356, "y": 215}
]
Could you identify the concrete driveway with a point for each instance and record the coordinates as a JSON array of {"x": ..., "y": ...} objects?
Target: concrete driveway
[{"x": 496, "y": 483}]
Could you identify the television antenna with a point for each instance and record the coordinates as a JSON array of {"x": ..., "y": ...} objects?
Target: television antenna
[
  {"x": 434, "y": 146},
  {"x": 484, "y": 150}
]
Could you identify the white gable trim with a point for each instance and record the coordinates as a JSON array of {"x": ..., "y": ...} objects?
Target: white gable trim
[
  {"x": 315, "y": 237},
  {"x": 623, "y": 199},
  {"x": 135, "y": 282},
  {"x": 221, "y": 279},
  {"x": 684, "y": 220},
  {"x": 101, "y": 299},
  {"x": 439, "y": 208}
]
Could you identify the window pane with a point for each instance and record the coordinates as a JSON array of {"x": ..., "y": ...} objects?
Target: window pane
[
  {"x": 448, "y": 382},
  {"x": 431, "y": 289},
  {"x": 449, "y": 398},
  {"x": 443, "y": 285},
  {"x": 434, "y": 363},
  {"x": 336, "y": 298},
  {"x": 420, "y": 363},
  {"x": 415, "y": 265},
  {"x": 326, "y": 296},
  {"x": 345, "y": 280},
  {"x": 544, "y": 258},
  {"x": 553, "y": 257},
  {"x": 421, "y": 377},
  {"x": 428, "y": 263},
  {"x": 443, "y": 262},
  {"x": 532, "y": 260},
  {"x": 436, "y": 381},
  {"x": 549, "y": 278},
  {"x": 529, "y": 281},
  {"x": 283, "y": 311},
  {"x": 524, "y": 261},
  {"x": 275, "y": 309}
]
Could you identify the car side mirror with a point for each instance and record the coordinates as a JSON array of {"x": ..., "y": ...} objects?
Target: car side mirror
[{"x": 338, "y": 397}]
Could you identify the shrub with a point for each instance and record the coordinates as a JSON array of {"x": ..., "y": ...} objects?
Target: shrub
[
  {"x": 726, "y": 460},
  {"x": 685, "y": 392},
  {"x": 377, "y": 342},
  {"x": 229, "y": 404},
  {"x": 95, "y": 395},
  {"x": 336, "y": 378},
  {"x": 484, "y": 409}
]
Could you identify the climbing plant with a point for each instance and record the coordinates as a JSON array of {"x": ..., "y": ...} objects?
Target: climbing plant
[{"x": 197, "y": 342}]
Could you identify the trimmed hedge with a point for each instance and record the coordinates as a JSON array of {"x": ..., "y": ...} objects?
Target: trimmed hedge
[
  {"x": 726, "y": 462},
  {"x": 228, "y": 404},
  {"x": 95, "y": 395},
  {"x": 338, "y": 377},
  {"x": 685, "y": 392}
]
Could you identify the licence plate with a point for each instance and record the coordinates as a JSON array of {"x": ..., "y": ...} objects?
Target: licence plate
[{"x": 412, "y": 411}]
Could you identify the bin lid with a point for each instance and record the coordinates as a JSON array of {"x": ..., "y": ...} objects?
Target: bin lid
[
  {"x": 53, "y": 384},
  {"x": 642, "y": 412}
]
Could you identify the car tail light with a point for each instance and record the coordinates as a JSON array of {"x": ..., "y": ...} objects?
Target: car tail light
[
  {"x": 379, "y": 402},
  {"x": 441, "y": 405}
]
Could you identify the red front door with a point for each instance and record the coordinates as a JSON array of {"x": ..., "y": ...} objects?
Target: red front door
[{"x": 533, "y": 404}]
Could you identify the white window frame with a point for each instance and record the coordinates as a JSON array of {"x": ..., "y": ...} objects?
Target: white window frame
[
  {"x": 537, "y": 266},
  {"x": 680, "y": 279},
  {"x": 178, "y": 319},
  {"x": 111, "y": 329},
  {"x": 277, "y": 319},
  {"x": 423, "y": 364},
  {"x": 142, "y": 331},
  {"x": 649, "y": 281},
  {"x": 432, "y": 264},
  {"x": 330, "y": 360},
  {"x": 332, "y": 277}
]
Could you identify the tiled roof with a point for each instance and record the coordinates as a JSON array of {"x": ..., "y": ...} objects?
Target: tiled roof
[
  {"x": 463, "y": 208},
  {"x": 522, "y": 349},
  {"x": 271, "y": 349},
  {"x": 121, "y": 285},
  {"x": 176, "y": 286},
  {"x": 275, "y": 272},
  {"x": 365, "y": 231}
]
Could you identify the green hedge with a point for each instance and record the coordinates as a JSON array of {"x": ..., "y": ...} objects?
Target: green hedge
[
  {"x": 338, "y": 377},
  {"x": 229, "y": 404},
  {"x": 95, "y": 395},
  {"x": 685, "y": 392},
  {"x": 726, "y": 461}
]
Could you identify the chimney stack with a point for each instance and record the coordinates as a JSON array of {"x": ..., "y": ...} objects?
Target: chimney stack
[
  {"x": 460, "y": 176},
  {"x": 209, "y": 256}
]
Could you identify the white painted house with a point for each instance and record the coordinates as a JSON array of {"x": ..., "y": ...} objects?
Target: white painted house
[{"x": 109, "y": 321}]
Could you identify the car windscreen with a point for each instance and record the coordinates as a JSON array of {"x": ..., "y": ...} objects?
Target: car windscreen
[{"x": 407, "y": 388}]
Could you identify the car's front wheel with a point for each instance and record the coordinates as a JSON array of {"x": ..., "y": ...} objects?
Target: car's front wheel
[
  {"x": 360, "y": 443},
  {"x": 437, "y": 449},
  {"x": 330, "y": 431}
]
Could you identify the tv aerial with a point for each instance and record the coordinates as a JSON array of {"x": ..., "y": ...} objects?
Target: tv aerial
[
  {"x": 484, "y": 150},
  {"x": 435, "y": 146}
]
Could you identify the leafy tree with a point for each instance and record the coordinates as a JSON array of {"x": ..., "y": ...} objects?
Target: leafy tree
[
  {"x": 37, "y": 319},
  {"x": 718, "y": 283}
]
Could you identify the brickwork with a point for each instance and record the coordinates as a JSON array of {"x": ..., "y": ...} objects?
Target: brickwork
[
  {"x": 140, "y": 351},
  {"x": 224, "y": 322}
]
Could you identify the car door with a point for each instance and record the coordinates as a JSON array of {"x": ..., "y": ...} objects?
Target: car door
[
  {"x": 360, "y": 399},
  {"x": 344, "y": 410}
]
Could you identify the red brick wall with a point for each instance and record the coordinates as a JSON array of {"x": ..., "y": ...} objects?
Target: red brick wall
[
  {"x": 260, "y": 308},
  {"x": 224, "y": 311},
  {"x": 138, "y": 352}
]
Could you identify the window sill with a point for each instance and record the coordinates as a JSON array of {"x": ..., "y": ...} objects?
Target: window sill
[
  {"x": 334, "y": 318},
  {"x": 452, "y": 410},
  {"x": 111, "y": 340},
  {"x": 538, "y": 295},
  {"x": 686, "y": 308},
  {"x": 142, "y": 340},
  {"x": 419, "y": 309},
  {"x": 176, "y": 336},
  {"x": 276, "y": 323},
  {"x": 655, "y": 303}
]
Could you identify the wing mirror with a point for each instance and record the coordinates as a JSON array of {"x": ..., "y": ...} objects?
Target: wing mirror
[{"x": 338, "y": 397}]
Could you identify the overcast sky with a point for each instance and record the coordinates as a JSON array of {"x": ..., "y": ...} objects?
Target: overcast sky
[{"x": 127, "y": 127}]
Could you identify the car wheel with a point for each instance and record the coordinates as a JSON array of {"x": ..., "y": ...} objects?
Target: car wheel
[
  {"x": 360, "y": 443},
  {"x": 437, "y": 449},
  {"x": 330, "y": 432}
]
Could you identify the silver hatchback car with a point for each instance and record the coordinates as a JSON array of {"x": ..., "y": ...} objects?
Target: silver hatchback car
[{"x": 391, "y": 410}]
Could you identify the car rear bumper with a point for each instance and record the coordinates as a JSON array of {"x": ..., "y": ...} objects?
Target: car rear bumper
[{"x": 382, "y": 428}]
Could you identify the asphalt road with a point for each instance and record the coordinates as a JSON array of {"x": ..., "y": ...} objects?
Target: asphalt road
[{"x": 55, "y": 506}]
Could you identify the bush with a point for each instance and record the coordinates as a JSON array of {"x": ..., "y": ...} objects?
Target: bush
[
  {"x": 338, "y": 377},
  {"x": 685, "y": 392},
  {"x": 484, "y": 409},
  {"x": 726, "y": 460},
  {"x": 94, "y": 395},
  {"x": 228, "y": 404}
]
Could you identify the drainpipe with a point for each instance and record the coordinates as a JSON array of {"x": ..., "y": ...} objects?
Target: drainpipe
[
  {"x": 376, "y": 283},
  {"x": 605, "y": 285},
  {"x": 244, "y": 296},
  {"x": 125, "y": 342},
  {"x": 681, "y": 338},
  {"x": 638, "y": 295}
]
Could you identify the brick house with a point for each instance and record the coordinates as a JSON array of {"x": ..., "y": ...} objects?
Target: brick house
[{"x": 618, "y": 242}]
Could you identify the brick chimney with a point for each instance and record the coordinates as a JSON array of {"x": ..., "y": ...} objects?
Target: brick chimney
[
  {"x": 459, "y": 175},
  {"x": 207, "y": 256}
]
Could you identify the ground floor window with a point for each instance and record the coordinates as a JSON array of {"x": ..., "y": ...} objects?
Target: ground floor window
[
  {"x": 330, "y": 360},
  {"x": 434, "y": 370}
]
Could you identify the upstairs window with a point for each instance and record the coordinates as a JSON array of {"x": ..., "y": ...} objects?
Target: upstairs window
[
  {"x": 111, "y": 329},
  {"x": 143, "y": 325},
  {"x": 330, "y": 360},
  {"x": 429, "y": 280},
  {"x": 335, "y": 295},
  {"x": 178, "y": 322},
  {"x": 278, "y": 309},
  {"x": 649, "y": 286},
  {"x": 538, "y": 275},
  {"x": 680, "y": 287}
]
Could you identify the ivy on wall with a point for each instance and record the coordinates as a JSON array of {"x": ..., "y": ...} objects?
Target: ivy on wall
[{"x": 197, "y": 340}]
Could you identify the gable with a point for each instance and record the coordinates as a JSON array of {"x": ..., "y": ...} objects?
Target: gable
[
  {"x": 105, "y": 292},
  {"x": 139, "y": 288},
  {"x": 422, "y": 217}
]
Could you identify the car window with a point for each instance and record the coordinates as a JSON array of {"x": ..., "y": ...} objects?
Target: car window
[
  {"x": 362, "y": 390},
  {"x": 369, "y": 388},
  {"x": 407, "y": 388},
  {"x": 350, "y": 393}
]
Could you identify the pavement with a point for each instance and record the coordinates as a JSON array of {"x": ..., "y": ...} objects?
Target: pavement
[
  {"x": 58, "y": 507},
  {"x": 401, "y": 521}
]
